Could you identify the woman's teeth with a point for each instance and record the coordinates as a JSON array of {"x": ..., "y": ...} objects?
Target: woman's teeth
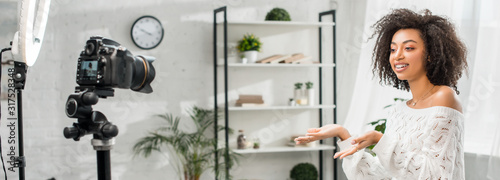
[{"x": 399, "y": 66}]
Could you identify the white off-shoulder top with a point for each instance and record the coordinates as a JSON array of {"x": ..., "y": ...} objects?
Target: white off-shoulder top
[{"x": 423, "y": 144}]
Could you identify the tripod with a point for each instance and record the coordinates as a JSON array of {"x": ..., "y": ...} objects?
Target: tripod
[{"x": 79, "y": 105}]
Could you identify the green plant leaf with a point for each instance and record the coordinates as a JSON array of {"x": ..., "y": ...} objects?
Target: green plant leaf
[
  {"x": 278, "y": 14},
  {"x": 192, "y": 151},
  {"x": 248, "y": 43}
]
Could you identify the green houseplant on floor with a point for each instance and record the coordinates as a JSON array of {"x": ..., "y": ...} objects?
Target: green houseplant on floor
[
  {"x": 192, "y": 152},
  {"x": 304, "y": 171}
]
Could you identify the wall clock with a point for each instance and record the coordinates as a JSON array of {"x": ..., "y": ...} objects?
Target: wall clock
[{"x": 147, "y": 32}]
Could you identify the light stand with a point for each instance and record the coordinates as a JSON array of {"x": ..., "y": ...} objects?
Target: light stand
[
  {"x": 19, "y": 77},
  {"x": 79, "y": 105},
  {"x": 26, "y": 45}
]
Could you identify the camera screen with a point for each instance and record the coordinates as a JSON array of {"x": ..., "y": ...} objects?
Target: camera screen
[{"x": 89, "y": 70}]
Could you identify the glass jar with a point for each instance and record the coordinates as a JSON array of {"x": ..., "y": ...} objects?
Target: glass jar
[{"x": 242, "y": 140}]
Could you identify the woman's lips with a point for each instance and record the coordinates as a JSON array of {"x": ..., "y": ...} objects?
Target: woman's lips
[{"x": 400, "y": 67}]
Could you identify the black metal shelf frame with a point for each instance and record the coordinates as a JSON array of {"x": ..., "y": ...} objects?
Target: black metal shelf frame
[{"x": 226, "y": 114}]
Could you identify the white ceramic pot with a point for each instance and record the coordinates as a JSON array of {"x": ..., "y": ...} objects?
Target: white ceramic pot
[
  {"x": 244, "y": 60},
  {"x": 251, "y": 56},
  {"x": 310, "y": 97}
]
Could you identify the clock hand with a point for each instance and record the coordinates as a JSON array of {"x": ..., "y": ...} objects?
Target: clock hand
[{"x": 146, "y": 32}]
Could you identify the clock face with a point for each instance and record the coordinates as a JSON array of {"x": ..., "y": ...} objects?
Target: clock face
[{"x": 147, "y": 32}]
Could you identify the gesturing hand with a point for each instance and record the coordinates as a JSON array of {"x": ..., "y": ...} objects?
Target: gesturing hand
[
  {"x": 359, "y": 143},
  {"x": 327, "y": 131}
]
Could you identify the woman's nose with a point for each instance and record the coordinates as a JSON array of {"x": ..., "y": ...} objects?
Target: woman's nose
[{"x": 399, "y": 54}]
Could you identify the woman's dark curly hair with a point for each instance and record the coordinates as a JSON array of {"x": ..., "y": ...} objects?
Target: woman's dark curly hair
[{"x": 446, "y": 52}]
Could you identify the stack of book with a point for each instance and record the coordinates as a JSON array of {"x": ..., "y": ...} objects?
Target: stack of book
[
  {"x": 297, "y": 58},
  {"x": 249, "y": 100}
]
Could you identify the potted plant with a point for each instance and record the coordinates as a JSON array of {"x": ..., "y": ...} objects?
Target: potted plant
[
  {"x": 304, "y": 171},
  {"x": 192, "y": 152},
  {"x": 256, "y": 143},
  {"x": 278, "y": 14},
  {"x": 310, "y": 93},
  {"x": 249, "y": 46}
]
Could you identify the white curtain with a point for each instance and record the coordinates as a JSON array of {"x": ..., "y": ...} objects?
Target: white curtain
[
  {"x": 482, "y": 112},
  {"x": 478, "y": 24}
]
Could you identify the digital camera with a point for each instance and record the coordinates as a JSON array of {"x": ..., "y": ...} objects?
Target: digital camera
[{"x": 104, "y": 63}]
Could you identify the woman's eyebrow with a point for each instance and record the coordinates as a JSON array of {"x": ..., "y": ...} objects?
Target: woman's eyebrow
[{"x": 404, "y": 42}]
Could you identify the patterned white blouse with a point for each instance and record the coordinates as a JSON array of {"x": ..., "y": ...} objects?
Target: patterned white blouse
[{"x": 423, "y": 144}]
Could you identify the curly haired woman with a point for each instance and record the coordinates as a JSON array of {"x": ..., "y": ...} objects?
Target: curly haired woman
[{"x": 424, "y": 136}]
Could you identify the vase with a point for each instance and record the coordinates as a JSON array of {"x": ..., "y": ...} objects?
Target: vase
[
  {"x": 251, "y": 56},
  {"x": 297, "y": 96},
  {"x": 300, "y": 97},
  {"x": 310, "y": 97}
]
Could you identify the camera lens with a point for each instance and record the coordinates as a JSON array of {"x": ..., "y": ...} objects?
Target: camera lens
[
  {"x": 89, "y": 48},
  {"x": 144, "y": 73}
]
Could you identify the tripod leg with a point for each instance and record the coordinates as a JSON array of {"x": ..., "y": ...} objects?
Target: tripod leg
[{"x": 103, "y": 165}]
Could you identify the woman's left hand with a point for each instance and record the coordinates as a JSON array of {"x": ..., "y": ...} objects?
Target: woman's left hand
[{"x": 359, "y": 143}]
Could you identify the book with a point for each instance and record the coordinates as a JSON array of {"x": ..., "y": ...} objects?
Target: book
[
  {"x": 280, "y": 59},
  {"x": 293, "y": 57},
  {"x": 249, "y": 96},
  {"x": 268, "y": 59},
  {"x": 249, "y": 99},
  {"x": 274, "y": 59},
  {"x": 252, "y": 105}
]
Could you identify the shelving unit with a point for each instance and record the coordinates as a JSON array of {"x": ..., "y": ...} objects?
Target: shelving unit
[
  {"x": 277, "y": 65},
  {"x": 276, "y": 26},
  {"x": 284, "y": 149},
  {"x": 263, "y": 108}
]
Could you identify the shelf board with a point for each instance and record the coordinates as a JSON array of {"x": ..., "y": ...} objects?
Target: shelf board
[
  {"x": 277, "y": 65},
  {"x": 278, "y": 23},
  {"x": 255, "y": 108},
  {"x": 284, "y": 149}
]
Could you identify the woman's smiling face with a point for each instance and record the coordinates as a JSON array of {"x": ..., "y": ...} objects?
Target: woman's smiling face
[{"x": 408, "y": 54}]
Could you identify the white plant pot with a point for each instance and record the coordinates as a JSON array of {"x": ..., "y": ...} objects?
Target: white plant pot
[
  {"x": 310, "y": 97},
  {"x": 251, "y": 56},
  {"x": 244, "y": 60}
]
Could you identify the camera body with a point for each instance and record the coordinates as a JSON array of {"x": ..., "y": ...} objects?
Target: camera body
[{"x": 104, "y": 63}]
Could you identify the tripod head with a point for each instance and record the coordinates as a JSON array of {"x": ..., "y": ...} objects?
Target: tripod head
[{"x": 79, "y": 105}]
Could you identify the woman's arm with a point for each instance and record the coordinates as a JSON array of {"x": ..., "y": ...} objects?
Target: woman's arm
[
  {"x": 327, "y": 131},
  {"x": 359, "y": 143},
  {"x": 361, "y": 165}
]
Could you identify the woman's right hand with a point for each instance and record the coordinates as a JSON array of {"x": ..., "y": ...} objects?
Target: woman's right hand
[{"x": 327, "y": 131}]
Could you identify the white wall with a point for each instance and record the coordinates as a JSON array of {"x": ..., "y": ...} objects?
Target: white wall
[{"x": 184, "y": 76}]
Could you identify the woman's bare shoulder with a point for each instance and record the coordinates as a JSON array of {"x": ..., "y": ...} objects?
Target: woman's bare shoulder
[{"x": 446, "y": 96}]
